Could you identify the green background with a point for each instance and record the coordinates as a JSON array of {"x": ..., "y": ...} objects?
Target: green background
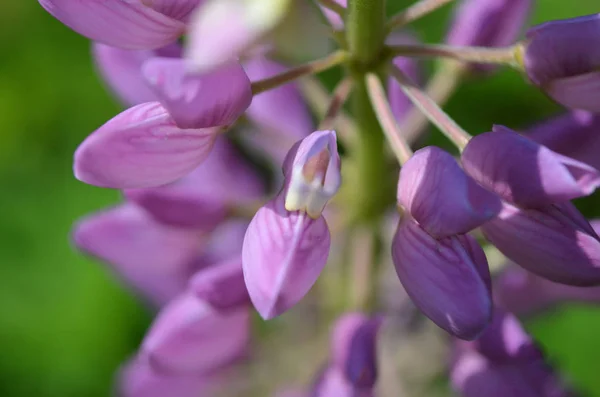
[{"x": 65, "y": 323}]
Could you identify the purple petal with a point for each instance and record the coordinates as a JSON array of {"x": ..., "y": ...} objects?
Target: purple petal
[
  {"x": 225, "y": 242},
  {"x": 488, "y": 23},
  {"x": 561, "y": 49},
  {"x": 124, "y": 24},
  {"x": 441, "y": 197},
  {"x": 153, "y": 258},
  {"x": 333, "y": 17},
  {"x": 203, "y": 198},
  {"x": 141, "y": 147},
  {"x": 333, "y": 383},
  {"x": 177, "y": 9},
  {"x": 189, "y": 336},
  {"x": 399, "y": 102},
  {"x": 279, "y": 113},
  {"x": 222, "y": 285},
  {"x": 577, "y": 92},
  {"x": 442, "y": 279},
  {"x": 139, "y": 379},
  {"x": 524, "y": 293},
  {"x": 122, "y": 70},
  {"x": 196, "y": 100},
  {"x": 312, "y": 173},
  {"x": 525, "y": 173},
  {"x": 554, "y": 242},
  {"x": 283, "y": 254}
]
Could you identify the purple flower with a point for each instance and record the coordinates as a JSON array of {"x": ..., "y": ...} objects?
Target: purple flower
[
  {"x": 554, "y": 242},
  {"x": 561, "y": 57},
  {"x": 574, "y": 134},
  {"x": 333, "y": 383},
  {"x": 193, "y": 100},
  {"x": 221, "y": 285},
  {"x": 287, "y": 243},
  {"x": 524, "y": 293},
  {"x": 202, "y": 199},
  {"x": 488, "y": 23},
  {"x": 503, "y": 362},
  {"x": 122, "y": 70},
  {"x": 447, "y": 279},
  {"x": 525, "y": 173},
  {"x": 441, "y": 197},
  {"x": 135, "y": 25},
  {"x": 156, "y": 259},
  {"x": 141, "y": 147},
  {"x": 399, "y": 102},
  {"x": 190, "y": 336}
]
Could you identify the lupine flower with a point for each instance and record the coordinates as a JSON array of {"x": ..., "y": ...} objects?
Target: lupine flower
[
  {"x": 399, "y": 102},
  {"x": 352, "y": 369},
  {"x": 555, "y": 242},
  {"x": 221, "y": 285},
  {"x": 446, "y": 278},
  {"x": 203, "y": 198},
  {"x": 190, "y": 336},
  {"x": 156, "y": 259},
  {"x": 525, "y": 173},
  {"x": 574, "y": 134},
  {"x": 135, "y": 25},
  {"x": 503, "y": 362},
  {"x": 524, "y": 293},
  {"x": 139, "y": 379},
  {"x": 559, "y": 57},
  {"x": 488, "y": 23},
  {"x": 122, "y": 70},
  {"x": 222, "y": 30},
  {"x": 287, "y": 242},
  {"x": 441, "y": 197}
]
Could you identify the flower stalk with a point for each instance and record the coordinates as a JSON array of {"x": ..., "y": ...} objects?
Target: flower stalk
[
  {"x": 414, "y": 12},
  {"x": 502, "y": 56}
]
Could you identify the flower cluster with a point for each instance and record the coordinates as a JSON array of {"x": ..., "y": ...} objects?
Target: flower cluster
[{"x": 205, "y": 235}]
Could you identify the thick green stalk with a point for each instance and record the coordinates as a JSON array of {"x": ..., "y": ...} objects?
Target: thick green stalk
[{"x": 366, "y": 29}]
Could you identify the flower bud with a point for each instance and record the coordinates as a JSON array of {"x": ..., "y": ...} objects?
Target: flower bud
[
  {"x": 441, "y": 197},
  {"x": 122, "y": 70},
  {"x": 312, "y": 172},
  {"x": 203, "y": 198},
  {"x": 153, "y": 258},
  {"x": 283, "y": 254},
  {"x": 554, "y": 242},
  {"x": 141, "y": 147},
  {"x": 447, "y": 278},
  {"x": 190, "y": 336},
  {"x": 134, "y": 25},
  {"x": 525, "y": 173},
  {"x": 488, "y": 23},
  {"x": 194, "y": 100},
  {"x": 561, "y": 58}
]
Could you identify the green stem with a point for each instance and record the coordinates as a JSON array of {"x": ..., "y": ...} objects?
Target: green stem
[{"x": 366, "y": 29}]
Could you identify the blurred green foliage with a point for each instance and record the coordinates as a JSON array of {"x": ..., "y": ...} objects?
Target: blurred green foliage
[{"x": 65, "y": 322}]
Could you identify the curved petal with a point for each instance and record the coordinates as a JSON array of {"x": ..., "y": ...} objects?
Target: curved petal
[
  {"x": 194, "y": 100},
  {"x": 442, "y": 279},
  {"x": 189, "y": 336},
  {"x": 125, "y": 24},
  {"x": 283, "y": 254},
  {"x": 177, "y": 9},
  {"x": 525, "y": 173},
  {"x": 153, "y": 258},
  {"x": 554, "y": 242},
  {"x": 221, "y": 285},
  {"x": 441, "y": 197},
  {"x": 577, "y": 92},
  {"x": 203, "y": 198},
  {"x": 141, "y": 147},
  {"x": 332, "y": 17}
]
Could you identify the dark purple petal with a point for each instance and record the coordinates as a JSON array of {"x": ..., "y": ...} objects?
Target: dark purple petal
[
  {"x": 399, "y": 102},
  {"x": 524, "y": 172},
  {"x": 141, "y": 147},
  {"x": 441, "y": 197},
  {"x": 442, "y": 279},
  {"x": 222, "y": 285},
  {"x": 283, "y": 255},
  {"x": 555, "y": 242},
  {"x": 153, "y": 258},
  {"x": 124, "y": 24}
]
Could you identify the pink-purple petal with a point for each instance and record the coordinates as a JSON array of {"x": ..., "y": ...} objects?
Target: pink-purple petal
[
  {"x": 124, "y": 24},
  {"x": 141, "y": 147},
  {"x": 577, "y": 92},
  {"x": 195, "y": 100},
  {"x": 221, "y": 285}
]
